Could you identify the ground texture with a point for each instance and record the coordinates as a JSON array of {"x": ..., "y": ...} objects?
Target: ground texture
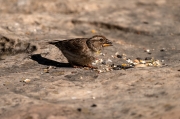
[{"x": 37, "y": 83}]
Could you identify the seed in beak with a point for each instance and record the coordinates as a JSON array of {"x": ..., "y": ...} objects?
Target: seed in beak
[{"x": 108, "y": 43}]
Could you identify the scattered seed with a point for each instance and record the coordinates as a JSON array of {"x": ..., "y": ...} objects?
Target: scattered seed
[
  {"x": 136, "y": 61},
  {"x": 124, "y": 54},
  {"x": 142, "y": 61},
  {"x": 100, "y": 71},
  {"x": 147, "y": 50},
  {"x": 129, "y": 61},
  {"x": 94, "y": 63},
  {"x": 116, "y": 53},
  {"x": 102, "y": 54},
  {"x": 50, "y": 67},
  {"x": 109, "y": 60},
  {"x": 27, "y": 80},
  {"x": 101, "y": 60},
  {"x": 112, "y": 56},
  {"x": 46, "y": 70},
  {"x": 107, "y": 69},
  {"x": 116, "y": 68}
]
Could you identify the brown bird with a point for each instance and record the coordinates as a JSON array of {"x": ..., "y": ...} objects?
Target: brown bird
[{"x": 80, "y": 51}]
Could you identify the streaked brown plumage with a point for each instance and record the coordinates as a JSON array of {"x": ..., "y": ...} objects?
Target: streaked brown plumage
[{"x": 80, "y": 51}]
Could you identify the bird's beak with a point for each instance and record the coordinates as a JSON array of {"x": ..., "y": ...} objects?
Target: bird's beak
[{"x": 108, "y": 43}]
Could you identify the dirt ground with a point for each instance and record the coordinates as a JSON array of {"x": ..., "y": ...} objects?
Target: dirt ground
[{"x": 36, "y": 81}]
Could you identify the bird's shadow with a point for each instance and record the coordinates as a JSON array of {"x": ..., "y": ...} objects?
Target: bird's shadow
[{"x": 44, "y": 61}]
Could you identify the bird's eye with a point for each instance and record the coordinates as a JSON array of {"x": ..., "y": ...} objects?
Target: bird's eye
[{"x": 101, "y": 40}]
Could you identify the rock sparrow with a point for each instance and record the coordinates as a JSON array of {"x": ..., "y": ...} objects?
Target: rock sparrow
[{"x": 80, "y": 51}]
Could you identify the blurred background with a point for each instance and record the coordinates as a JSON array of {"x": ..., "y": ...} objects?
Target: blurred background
[{"x": 86, "y": 17}]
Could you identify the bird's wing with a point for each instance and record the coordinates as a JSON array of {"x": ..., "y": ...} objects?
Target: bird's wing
[{"x": 76, "y": 46}]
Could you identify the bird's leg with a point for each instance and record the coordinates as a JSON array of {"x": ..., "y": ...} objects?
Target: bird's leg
[
  {"x": 92, "y": 67},
  {"x": 75, "y": 65}
]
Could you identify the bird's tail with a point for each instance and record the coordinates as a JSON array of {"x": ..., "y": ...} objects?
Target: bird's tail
[
  {"x": 57, "y": 43},
  {"x": 54, "y": 42}
]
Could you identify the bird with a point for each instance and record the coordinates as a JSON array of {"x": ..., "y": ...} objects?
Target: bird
[{"x": 80, "y": 52}]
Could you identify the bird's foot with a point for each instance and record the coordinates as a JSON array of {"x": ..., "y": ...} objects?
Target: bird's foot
[{"x": 92, "y": 67}]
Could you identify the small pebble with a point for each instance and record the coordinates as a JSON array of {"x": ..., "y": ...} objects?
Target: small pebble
[
  {"x": 119, "y": 56},
  {"x": 79, "y": 109},
  {"x": 112, "y": 65},
  {"x": 162, "y": 50},
  {"x": 93, "y": 105},
  {"x": 148, "y": 58},
  {"x": 104, "y": 63}
]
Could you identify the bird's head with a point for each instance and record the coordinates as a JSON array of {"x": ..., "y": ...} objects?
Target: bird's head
[{"x": 97, "y": 42}]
